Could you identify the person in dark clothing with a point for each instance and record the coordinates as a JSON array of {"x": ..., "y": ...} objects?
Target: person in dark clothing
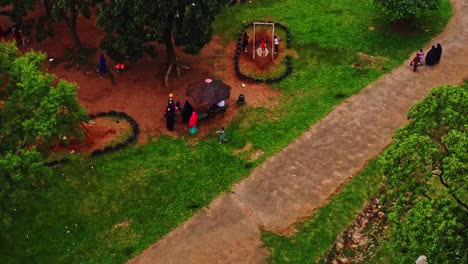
[
  {"x": 170, "y": 118},
  {"x": 438, "y": 53},
  {"x": 186, "y": 112},
  {"x": 245, "y": 41},
  {"x": 430, "y": 56},
  {"x": 102, "y": 64},
  {"x": 18, "y": 36}
]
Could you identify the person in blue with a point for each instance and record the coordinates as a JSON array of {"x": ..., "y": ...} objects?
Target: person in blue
[{"x": 102, "y": 64}]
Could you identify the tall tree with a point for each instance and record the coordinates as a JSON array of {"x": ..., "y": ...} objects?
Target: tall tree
[
  {"x": 406, "y": 9},
  {"x": 17, "y": 9},
  {"x": 69, "y": 10},
  {"x": 131, "y": 24},
  {"x": 38, "y": 110},
  {"x": 431, "y": 150}
]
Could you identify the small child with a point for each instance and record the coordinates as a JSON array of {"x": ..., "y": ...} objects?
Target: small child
[
  {"x": 222, "y": 135},
  {"x": 420, "y": 55},
  {"x": 276, "y": 42},
  {"x": 263, "y": 45}
]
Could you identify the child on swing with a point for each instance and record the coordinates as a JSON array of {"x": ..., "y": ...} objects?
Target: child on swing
[{"x": 263, "y": 44}]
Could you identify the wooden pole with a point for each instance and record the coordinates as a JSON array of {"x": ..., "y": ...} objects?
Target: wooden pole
[
  {"x": 273, "y": 42},
  {"x": 253, "y": 43}
]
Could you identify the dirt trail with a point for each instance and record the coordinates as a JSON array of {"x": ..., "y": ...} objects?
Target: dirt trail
[{"x": 299, "y": 179}]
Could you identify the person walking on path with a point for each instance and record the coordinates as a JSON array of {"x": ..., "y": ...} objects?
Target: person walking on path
[
  {"x": 430, "y": 56},
  {"x": 102, "y": 65},
  {"x": 245, "y": 41},
  {"x": 420, "y": 55},
  {"x": 222, "y": 135},
  {"x": 438, "y": 53},
  {"x": 415, "y": 63},
  {"x": 192, "y": 124}
]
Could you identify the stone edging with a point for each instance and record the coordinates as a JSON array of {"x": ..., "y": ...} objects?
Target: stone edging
[{"x": 108, "y": 149}]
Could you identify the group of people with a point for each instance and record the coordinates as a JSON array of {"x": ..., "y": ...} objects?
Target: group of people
[
  {"x": 103, "y": 67},
  {"x": 262, "y": 42},
  {"x": 432, "y": 57},
  {"x": 189, "y": 116}
]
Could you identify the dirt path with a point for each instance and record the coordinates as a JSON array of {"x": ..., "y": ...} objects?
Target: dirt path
[{"x": 299, "y": 179}]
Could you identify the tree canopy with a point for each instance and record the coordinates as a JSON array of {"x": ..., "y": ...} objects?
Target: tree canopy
[
  {"x": 426, "y": 169},
  {"x": 406, "y": 9},
  {"x": 69, "y": 10},
  {"x": 18, "y": 9},
  {"x": 37, "y": 111},
  {"x": 131, "y": 24}
]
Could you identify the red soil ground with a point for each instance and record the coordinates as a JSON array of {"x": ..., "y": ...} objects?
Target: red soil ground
[{"x": 139, "y": 90}]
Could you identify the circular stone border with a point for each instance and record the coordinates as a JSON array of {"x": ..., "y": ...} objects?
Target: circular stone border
[
  {"x": 108, "y": 149},
  {"x": 288, "y": 58}
]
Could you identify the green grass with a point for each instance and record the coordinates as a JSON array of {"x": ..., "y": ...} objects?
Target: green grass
[
  {"x": 150, "y": 189},
  {"x": 318, "y": 233}
]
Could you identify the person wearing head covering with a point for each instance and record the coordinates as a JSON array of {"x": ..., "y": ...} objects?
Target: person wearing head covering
[
  {"x": 192, "y": 124},
  {"x": 170, "y": 118},
  {"x": 186, "y": 112},
  {"x": 102, "y": 64},
  {"x": 438, "y": 53},
  {"x": 430, "y": 56}
]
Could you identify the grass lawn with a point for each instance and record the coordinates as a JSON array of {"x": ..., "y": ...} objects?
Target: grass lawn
[
  {"x": 318, "y": 233},
  {"x": 110, "y": 208}
]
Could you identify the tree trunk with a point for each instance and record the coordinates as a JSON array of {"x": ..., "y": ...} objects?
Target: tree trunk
[
  {"x": 48, "y": 8},
  {"x": 71, "y": 22},
  {"x": 171, "y": 56},
  {"x": 168, "y": 41}
]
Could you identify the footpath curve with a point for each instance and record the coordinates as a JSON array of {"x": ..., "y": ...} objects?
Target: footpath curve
[{"x": 300, "y": 178}]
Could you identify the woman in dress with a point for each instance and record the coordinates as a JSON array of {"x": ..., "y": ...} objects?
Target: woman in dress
[{"x": 192, "y": 124}]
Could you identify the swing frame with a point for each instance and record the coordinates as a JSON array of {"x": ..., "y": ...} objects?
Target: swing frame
[{"x": 272, "y": 37}]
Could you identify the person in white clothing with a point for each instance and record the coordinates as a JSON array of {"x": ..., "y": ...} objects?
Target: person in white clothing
[
  {"x": 221, "y": 103},
  {"x": 276, "y": 42}
]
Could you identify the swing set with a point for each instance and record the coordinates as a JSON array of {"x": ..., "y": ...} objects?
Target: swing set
[{"x": 263, "y": 24}]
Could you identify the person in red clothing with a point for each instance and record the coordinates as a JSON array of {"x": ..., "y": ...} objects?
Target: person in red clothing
[
  {"x": 192, "y": 124},
  {"x": 119, "y": 66},
  {"x": 263, "y": 44},
  {"x": 415, "y": 63}
]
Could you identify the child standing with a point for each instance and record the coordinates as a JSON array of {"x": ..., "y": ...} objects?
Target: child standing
[
  {"x": 263, "y": 45},
  {"x": 276, "y": 42},
  {"x": 222, "y": 135}
]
